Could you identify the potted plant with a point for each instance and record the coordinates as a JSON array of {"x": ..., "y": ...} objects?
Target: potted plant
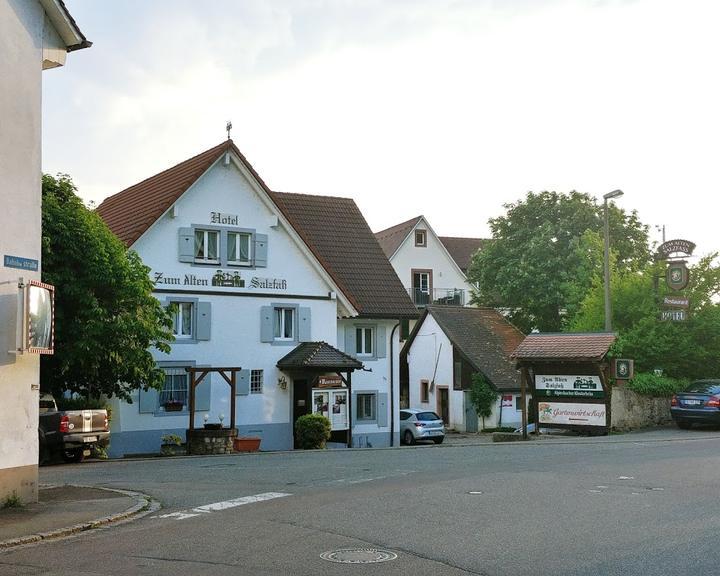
[
  {"x": 173, "y": 406},
  {"x": 171, "y": 445}
]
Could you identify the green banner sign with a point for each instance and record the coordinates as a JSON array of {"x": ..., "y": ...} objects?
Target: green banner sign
[{"x": 570, "y": 393}]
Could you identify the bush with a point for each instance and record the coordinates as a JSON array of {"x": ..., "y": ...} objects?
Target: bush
[
  {"x": 657, "y": 386},
  {"x": 80, "y": 403},
  {"x": 312, "y": 431}
]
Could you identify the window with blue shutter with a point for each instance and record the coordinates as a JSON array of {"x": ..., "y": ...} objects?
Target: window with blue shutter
[
  {"x": 186, "y": 245},
  {"x": 304, "y": 332},
  {"x": 242, "y": 383},
  {"x": 261, "y": 249},
  {"x": 382, "y": 410}
]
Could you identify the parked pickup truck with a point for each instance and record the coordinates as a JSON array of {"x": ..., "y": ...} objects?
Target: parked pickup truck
[{"x": 70, "y": 434}]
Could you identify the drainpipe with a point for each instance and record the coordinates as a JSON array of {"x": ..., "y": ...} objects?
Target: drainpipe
[{"x": 392, "y": 386}]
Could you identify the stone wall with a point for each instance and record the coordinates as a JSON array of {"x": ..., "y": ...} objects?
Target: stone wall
[
  {"x": 203, "y": 441},
  {"x": 630, "y": 410}
]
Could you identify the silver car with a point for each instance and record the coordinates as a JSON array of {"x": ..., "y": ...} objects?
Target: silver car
[{"x": 420, "y": 425}]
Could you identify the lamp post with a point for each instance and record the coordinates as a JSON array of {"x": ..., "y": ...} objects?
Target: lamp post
[{"x": 608, "y": 305}]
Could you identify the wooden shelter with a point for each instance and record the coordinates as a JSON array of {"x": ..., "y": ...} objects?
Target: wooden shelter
[{"x": 567, "y": 377}]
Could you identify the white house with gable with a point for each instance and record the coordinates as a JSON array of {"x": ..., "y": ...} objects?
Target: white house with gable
[
  {"x": 432, "y": 268},
  {"x": 291, "y": 288},
  {"x": 446, "y": 348}
]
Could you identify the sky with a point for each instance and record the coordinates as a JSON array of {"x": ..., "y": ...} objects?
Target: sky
[{"x": 446, "y": 108}]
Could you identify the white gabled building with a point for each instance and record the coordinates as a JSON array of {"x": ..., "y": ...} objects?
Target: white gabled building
[
  {"x": 35, "y": 35},
  {"x": 432, "y": 268},
  {"x": 447, "y": 346},
  {"x": 292, "y": 288}
]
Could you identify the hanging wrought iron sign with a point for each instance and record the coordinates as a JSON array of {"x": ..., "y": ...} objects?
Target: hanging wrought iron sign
[{"x": 681, "y": 247}]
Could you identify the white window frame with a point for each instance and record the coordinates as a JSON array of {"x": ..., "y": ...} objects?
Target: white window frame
[
  {"x": 422, "y": 234},
  {"x": 256, "y": 381},
  {"x": 281, "y": 325},
  {"x": 205, "y": 259},
  {"x": 173, "y": 392},
  {"x": 237, "y": 235},
  {"x": 361, "y": 343},
  {"x": 178, "y": 320},
  {"x": 361, "y": 399}
]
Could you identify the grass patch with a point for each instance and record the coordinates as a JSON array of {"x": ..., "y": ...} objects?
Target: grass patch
[{"x": 11, "y": 501}]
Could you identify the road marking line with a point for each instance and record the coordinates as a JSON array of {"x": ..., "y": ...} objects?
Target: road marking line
[{"x": 224, "y": 505}]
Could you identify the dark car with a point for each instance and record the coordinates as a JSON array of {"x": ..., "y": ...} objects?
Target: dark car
[{"x": 699, "y": 403}]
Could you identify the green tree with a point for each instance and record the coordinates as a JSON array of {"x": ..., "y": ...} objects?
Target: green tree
[
  {"x": 685, "y": 349},
  {"x": 546, "y": 252},
  {"x": 106, "y": 318},
  {"x": 482, "y": 396}
]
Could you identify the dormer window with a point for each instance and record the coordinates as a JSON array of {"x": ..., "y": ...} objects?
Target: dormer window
[{"x": 421, "y": 238}]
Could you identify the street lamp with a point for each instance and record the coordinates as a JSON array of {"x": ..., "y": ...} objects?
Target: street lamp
[{"x": 608, "y": 305}]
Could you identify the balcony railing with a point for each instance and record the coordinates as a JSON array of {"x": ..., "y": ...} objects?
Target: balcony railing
[{"x": 437, "y": 296}]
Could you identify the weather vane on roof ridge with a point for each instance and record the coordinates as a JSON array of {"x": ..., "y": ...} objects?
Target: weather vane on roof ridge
[{"x": 228, "y": 127}]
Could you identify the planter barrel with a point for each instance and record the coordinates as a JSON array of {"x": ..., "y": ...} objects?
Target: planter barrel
[{"x": 246, "y": 444}]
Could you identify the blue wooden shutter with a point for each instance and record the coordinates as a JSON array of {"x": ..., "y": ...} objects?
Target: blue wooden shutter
[
  {"x": 382, "y": 410},
  {"x": 202, "y": 394},
  {"x": 148, "y": 400},
  {"x": 204, "y": 319},
  {"x": 350, "y": 341},
  {"x": 304, "y": 332},
  {"x": 380, "y": 342},
  {"x": 186, "y": 245},
  {"x": 261, "y": 246},
  {"x": 266, "y": 324},
  {"x": 242, "y": 383}
]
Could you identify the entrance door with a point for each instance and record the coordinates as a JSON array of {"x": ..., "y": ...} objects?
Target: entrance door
[
  {"x": 443, "y": 404},
  {"x": 301, "y": 402},
  {"x": 471, "y": 417}
]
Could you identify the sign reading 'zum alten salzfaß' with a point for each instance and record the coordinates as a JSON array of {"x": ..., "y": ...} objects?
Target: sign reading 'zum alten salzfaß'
[{"x": 584, "y": 386}]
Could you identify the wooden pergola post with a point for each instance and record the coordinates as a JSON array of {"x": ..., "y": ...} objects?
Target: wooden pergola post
[{"x": 194, "y": 381}]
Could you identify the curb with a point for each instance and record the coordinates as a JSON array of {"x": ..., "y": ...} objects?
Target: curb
[{"x": 144, "y": 505}]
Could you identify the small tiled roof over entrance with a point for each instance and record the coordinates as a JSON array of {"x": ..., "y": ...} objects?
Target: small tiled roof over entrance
[
  {"x": 318, "y": 356},
  {"x": 485, "y": 338},
  {"x": 565, "y": 347},
  {"x": 462, "y": 249},
  {"x": 391, "y": 238}
]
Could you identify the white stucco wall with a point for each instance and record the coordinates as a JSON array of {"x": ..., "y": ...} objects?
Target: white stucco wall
[
  {"x": 446, "y": 275},
  {"x": 376, "y": 378},
  {"x": 21, "y": 64}
]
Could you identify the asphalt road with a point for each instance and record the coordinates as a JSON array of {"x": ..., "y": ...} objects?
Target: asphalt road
[{"x": 605, "y": 508}]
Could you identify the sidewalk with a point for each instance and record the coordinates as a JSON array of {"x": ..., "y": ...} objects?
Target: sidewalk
[
  {"x": 65, "y": 510},
  {"x": 659, "y": 434}
]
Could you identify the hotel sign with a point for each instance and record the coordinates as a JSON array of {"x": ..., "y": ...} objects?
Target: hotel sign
[
  {"x": 569, "y": 386},
  {"x": 221, "y": 279},
  {"x": 666, "y": 249}
]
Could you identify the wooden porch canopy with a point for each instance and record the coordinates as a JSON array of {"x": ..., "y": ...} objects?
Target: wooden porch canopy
[
  {"x": 552, "y": 351},
  {"x": 320, "y": 357},
  {"x": 198, "y": 374}
]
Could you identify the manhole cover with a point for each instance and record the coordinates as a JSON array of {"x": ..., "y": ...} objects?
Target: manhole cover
[{"x": 358, "y": 556}]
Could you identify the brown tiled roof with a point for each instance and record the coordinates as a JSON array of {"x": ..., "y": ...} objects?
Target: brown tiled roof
[
  {"x": 333, "y": 229},
  {"x": 318, "y": 355},
  {"x": 391, "y": 238},
  {"x": 462, "y": 249},
  {"x": 131, "y": 212},
  {"x": 337, "y": 233},
  {"x": 485, "y": 338},
  {"x": 549, "y": 347}
]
